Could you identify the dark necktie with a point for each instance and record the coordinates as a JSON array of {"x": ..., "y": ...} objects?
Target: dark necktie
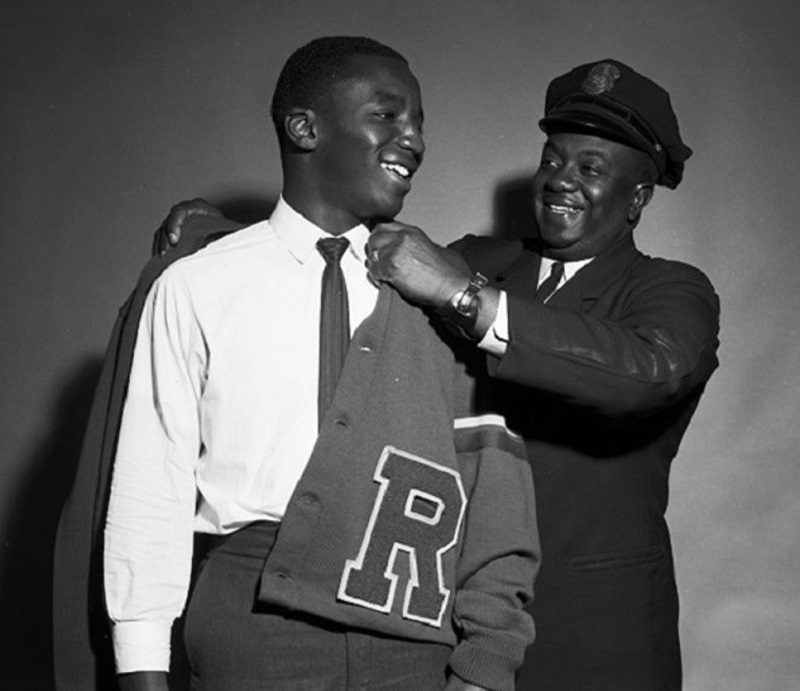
[
  {"x": 549, "y": 284},
  {"x": 334, "y": 323}
]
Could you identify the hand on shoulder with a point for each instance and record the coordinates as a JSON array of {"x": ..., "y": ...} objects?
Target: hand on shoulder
[{"x": 169, "y": 233}]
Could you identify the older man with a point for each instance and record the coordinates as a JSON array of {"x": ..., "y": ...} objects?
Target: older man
[{"x": 598, "y": 355}]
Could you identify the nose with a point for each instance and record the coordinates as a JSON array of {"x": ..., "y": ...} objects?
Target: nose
[
  {"x": 411, "y": 138},
  {"x": 562, "y": 179}
]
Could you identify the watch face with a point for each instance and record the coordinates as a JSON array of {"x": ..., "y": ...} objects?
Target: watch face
[{"x": 465, "y": 301}]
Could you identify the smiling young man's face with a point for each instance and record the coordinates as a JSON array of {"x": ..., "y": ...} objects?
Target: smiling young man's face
[
  {"x": 369, "y": 142},
  {"x": 584, "y": 190}
]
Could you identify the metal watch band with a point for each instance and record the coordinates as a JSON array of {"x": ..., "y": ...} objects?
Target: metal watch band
[
  {"x": 463, "y": 301},
  {"x": 460, "y": 313}
]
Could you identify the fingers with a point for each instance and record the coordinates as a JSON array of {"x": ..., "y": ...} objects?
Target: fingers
[
  {"x": 387, "y": 234},
  {"x": 180, "y": 213},
  {"x": 200, "y": 207},
  {"x": 374, "y": 246},
  {"x": 175, "y": 219},
  {"x": 381, "y": 247},
  {"x": 373, "y": 263},
  {"x": 168, "y": 234},
  {"x": 394, "y": 250},
  {"x": 161, "y": 241}
]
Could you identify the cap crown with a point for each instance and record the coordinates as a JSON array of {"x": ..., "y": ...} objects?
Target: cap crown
[{"x": 611, "y": 100}]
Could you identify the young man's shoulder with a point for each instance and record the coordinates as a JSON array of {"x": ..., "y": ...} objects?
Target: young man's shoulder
[{"x": 231, "y": 252}]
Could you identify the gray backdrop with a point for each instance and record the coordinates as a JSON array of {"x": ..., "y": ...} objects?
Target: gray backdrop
[{"x": 112, "y": 111}]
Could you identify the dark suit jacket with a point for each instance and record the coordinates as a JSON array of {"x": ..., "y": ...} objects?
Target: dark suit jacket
[
  {"x": 602, "y": 382},
  {"x": 83, "y": 658}
]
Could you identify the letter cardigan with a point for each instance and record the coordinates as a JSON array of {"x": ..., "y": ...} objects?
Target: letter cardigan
[{"x": 414, "y": 518}]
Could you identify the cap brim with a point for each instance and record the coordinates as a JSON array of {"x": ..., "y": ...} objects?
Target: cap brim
[{"x": 585, "y": 118}]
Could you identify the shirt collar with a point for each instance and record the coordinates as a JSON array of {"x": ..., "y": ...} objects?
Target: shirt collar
[
  {"x": 570, "y": 268},
  {"x": 300, "y": 235}
]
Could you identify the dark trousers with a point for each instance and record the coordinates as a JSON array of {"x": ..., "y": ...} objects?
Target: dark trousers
[{"x": 235, "y": 643}]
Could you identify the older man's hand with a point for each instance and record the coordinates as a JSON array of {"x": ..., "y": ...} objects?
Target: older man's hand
[
  {"x": 407, "y": 259},
  {"x": 168, "y": 234}
]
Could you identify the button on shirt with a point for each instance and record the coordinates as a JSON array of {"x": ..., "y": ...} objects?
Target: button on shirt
[{"x": 221, "y": 413}]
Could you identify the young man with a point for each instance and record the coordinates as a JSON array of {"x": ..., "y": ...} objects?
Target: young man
[{"x": 370, "y": 533}]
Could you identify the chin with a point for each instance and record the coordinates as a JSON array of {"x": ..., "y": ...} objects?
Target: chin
[
  {"x": 386, "y": 212},
  {"x": 556, "y": 240}
]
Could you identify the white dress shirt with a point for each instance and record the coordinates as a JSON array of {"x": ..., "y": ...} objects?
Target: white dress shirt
[
  {"x": 496, "y": 339},
  {"x": 221, "y": 413}
]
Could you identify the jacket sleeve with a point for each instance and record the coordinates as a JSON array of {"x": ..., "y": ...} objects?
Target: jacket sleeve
[
  {"x": 82, "y": 653},
  {"x": 647, "y": 340},
  {"x": 500, "y": 552},
  {"x": 658, "y": 346}
]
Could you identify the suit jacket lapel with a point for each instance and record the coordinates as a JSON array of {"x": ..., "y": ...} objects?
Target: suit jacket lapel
[
  {"x": 521, "y": 276},
  {"x": 583, "y": 289}
]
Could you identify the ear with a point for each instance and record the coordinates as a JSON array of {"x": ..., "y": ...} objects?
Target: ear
[
  {"x": 300, "y": 127},
  {"x": 642, "y": 194}
]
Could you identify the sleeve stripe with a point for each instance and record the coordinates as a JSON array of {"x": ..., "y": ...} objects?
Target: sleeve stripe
[{"x": 482, "y": 431}]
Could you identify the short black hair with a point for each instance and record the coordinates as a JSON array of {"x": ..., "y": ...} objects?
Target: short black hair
[{"x": 311, "y": 70}]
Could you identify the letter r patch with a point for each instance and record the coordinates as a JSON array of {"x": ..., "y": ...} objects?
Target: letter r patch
[{"x": 419, "y": 509}]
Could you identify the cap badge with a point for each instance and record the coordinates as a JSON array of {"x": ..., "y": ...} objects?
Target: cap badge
[{"x": 601, "y": 79}]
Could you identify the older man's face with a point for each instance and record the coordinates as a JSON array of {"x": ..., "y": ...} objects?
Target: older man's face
[{"x": 583, "y": 191}]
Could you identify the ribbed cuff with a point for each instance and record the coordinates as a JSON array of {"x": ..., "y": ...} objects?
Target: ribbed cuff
[{"x": 485, "y": 667}]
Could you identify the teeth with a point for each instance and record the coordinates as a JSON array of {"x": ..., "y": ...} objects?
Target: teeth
[
  {"x": 563, "y": 209},
  {"x": 402, "y": 171}
]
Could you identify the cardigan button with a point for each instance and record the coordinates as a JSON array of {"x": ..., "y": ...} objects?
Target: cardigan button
[{"x": 308, "y": 498}]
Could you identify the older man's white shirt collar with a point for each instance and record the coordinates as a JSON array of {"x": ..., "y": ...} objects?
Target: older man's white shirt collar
[{"x": 570, "y": 269}]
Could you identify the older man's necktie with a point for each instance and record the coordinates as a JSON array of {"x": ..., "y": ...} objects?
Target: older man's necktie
[
  {"x": 334, "y": 324},
  {"x": 550, "y": 284}
]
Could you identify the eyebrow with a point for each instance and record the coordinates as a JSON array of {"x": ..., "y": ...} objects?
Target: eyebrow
[
  {"x": 383, "y": 95},
  {"x": 599, "y": 153},
  {"x": 595, "y": 152}
]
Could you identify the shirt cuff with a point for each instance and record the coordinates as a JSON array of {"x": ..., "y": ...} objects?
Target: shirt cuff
[
  {"x": 141, "y": 646},
  {"x": 495, "y": 341}
]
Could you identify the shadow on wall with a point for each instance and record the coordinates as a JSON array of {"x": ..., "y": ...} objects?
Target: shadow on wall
[
  {"x": 246, "y": 209},
  {"x": 26, "y": 582},
  {"x": 512, "y": 205}
]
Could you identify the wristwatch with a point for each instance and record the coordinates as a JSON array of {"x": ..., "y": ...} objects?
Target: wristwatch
[{"x": 460, "y": 312}]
